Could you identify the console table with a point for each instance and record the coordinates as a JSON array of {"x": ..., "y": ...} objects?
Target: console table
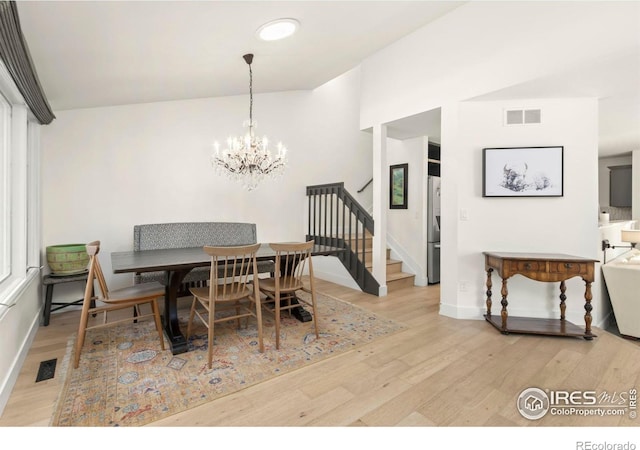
[{"x": 545, "y": 267}]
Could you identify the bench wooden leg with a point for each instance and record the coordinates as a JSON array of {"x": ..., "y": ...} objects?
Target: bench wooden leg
[{"x": 47, "y": 304}]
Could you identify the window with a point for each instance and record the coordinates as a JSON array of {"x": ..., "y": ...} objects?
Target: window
[
  {"x": 5, "y": 181},
  {"x": 19, "y": 199},
  {"x": 33, "y": 195}
]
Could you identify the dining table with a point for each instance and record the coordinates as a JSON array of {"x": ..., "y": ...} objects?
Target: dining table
[{"x": 177, "y": 263}]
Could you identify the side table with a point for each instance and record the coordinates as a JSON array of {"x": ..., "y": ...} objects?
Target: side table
[
  {"x": 50, "y": 281},
  {"x": 545, "y": 267}
]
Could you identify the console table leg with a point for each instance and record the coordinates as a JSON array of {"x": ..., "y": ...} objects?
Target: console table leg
[
  {"x": 587, "y": 308},
  {"x": 563, "y": 297},
  {"x": 489, "y": 293},
  {"x": 504, "y": 304}
]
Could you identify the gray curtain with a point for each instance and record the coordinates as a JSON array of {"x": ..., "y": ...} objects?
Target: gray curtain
[{"x": 15, "y": 55}]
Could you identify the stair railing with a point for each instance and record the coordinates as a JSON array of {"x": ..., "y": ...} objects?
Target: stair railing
[
  {"x": 338, "y": 220},
  {"x": 365, "y": 186}
]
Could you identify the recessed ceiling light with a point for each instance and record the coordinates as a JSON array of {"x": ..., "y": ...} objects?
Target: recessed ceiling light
[{"x": 277, "y": 29}]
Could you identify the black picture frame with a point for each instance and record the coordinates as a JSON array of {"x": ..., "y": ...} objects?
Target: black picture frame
[
  {"x": 523, "y": 171},
  {"x": 398, "y": 182}
]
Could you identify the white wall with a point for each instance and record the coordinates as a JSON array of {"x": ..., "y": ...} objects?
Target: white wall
[
  {"x": 544, "y": 225},
  {"x": 106, "y": 169},
  {"x": 406, "y": 228}
]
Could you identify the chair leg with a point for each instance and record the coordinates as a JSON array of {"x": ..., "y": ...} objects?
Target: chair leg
[
  {"x": 192, "y": 313},
  {"x": 258, "y": 306},
  {"x": 156, "y": 316},
  {"x": 82, "y": 331},
  {"x": 210, "y": 338},
  {"x": 237, "y": 304},
  {"x": 315, "y": 312},
  {"x": 277, "y": 305}
]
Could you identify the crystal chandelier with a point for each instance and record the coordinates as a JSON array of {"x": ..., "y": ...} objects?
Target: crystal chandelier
[{"x": 247, "y": 158}]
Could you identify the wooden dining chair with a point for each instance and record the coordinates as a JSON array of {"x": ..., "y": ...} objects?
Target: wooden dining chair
[
  {"x": 291, "y": 261},
  {"x": 112, "y": 300},
  {"x": 232, "y": 293}
]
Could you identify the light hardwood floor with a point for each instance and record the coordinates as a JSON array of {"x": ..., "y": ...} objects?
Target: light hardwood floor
[{"x": 439, "y": 371}]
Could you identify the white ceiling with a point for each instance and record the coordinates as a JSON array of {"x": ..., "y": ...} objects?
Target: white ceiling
[
  {"x": 97, "y": 53},
  {"x": 104, "y": 53}
]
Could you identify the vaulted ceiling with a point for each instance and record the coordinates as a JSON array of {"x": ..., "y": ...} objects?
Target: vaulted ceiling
[
  {"x": 98, "y": 53},
  {"x": 104, "y": 53}
]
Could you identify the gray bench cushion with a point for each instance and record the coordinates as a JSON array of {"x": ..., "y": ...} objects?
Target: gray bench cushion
[{"x": 193, "y": 234}]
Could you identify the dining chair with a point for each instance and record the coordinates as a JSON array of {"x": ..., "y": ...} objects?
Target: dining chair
[
  {"x": 290, "y": 263},
  {"x": 232, "y": 293},
  {"x": 112, "y": 300}
]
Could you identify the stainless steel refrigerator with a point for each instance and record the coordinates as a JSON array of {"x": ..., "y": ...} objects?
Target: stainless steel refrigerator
[{"x": 433, "y": 230}]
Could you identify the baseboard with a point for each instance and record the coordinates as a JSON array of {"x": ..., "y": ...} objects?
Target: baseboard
[
  {"x": 606, "y": 322},
  {"x": 10, "y": 380},
  {"x": 456, "y": 312}
]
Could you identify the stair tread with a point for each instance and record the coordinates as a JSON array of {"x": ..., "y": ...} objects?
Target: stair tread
[
  {"x": 399, "y": 280},
  {"x": 399, "y": 276}
]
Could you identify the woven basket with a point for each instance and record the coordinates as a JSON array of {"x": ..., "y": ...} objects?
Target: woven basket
[{"x": 67, "y": 259}]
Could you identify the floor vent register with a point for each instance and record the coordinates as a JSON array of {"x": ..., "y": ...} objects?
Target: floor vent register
[{"x": 47, "y": 370}]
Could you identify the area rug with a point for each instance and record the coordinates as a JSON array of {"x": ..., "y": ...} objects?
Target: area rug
[{"x": 124, "y": 379}]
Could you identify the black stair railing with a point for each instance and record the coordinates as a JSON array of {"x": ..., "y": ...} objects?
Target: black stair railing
[{"x": 338, "y": 220}]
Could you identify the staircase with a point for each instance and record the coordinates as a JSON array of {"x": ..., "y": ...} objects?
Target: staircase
[
  {"x": 396, "y": 278},
  {"x": 338, "y": 220}
]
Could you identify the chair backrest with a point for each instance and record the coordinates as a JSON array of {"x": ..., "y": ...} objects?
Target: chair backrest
[
  {"x": 95, "y": 271},
  {"x": 231, "y": 269},
  {"x": 291, "y": 261}
]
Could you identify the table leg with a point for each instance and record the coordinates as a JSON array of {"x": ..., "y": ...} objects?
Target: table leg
[
  {"x": 489, "y": 293},
  {"x": 504, "y": 304},
  {"x": 563, "y": 297},
  {"x": 587, "y": 308},
  {"x": 177, "y": 341}
]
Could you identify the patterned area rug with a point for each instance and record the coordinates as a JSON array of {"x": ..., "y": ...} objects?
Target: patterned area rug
[{"x": 124, "y": 379}]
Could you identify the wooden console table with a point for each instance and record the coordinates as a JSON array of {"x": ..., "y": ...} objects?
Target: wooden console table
[{"x": 546, "y": 267}]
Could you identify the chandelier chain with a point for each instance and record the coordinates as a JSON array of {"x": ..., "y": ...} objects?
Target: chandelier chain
[{"x": 250, "y": 97}]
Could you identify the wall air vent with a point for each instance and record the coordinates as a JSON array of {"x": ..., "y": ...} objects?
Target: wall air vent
[{"x": 522, "y": 116}]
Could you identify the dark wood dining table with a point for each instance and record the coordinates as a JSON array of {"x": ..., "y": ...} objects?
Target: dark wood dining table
[{"x": 178, "y": 262}]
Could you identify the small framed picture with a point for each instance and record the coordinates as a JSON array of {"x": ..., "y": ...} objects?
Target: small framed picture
[
  {"x": 522, "y": 172},
  {"x": 398, "y": 180}
]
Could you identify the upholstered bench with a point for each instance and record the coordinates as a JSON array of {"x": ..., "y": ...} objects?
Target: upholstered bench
[{"x": 193, "y": 234}]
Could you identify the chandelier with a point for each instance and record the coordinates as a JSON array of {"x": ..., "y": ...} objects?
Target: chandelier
[{"x": 247, "y": 159}]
